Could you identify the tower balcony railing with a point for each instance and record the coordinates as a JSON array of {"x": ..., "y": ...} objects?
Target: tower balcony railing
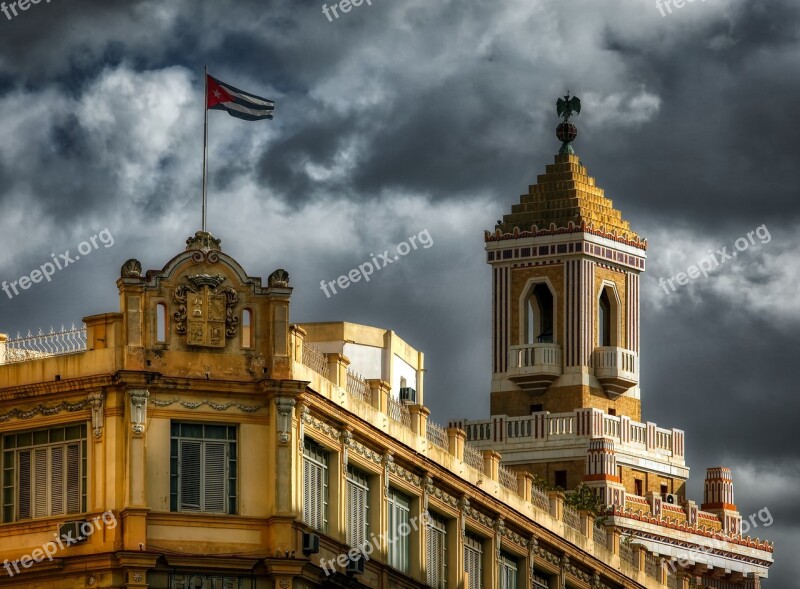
[
  {"x": 616, "y": 368},
  {"x": 533, "y": 367}
]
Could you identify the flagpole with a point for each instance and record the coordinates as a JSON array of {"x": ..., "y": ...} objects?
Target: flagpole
[{"x": 205, "y": 143}]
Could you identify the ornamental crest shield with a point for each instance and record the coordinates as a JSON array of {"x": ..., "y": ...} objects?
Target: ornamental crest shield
[{"x": 205, "y": 311}]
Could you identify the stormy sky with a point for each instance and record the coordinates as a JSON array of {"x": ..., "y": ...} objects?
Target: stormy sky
[{"x": 411, "y": 115}]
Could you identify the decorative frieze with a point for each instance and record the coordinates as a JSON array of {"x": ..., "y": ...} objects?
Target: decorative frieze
[
  {"x": 43, "y": 410},
  {"x": 211, "y": 404}
]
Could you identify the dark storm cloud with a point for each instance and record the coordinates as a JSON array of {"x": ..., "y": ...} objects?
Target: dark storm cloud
[{"x": 410, "y": 114}]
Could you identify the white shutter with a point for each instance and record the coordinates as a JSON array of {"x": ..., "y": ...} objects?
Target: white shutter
[
  {"x": 189, "y": 468},
  {"x": 357, "y": 506},
  {"x": 315, "y": 474},
  {"x": 436, "y": 551},
  {"x": 40, "y": 482},
  {"x": 213, "y": 476},
  {"x": 74, "y": 491},
  {"x": 25, "y": 484},
  {"x": 57, "y": 477},
  {"x": 312, "y": 485}
]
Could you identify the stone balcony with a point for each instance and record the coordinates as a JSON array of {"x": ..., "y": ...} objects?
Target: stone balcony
[
  {"x": 533, "y": 367},
  {"x": 617, "y": 369}
]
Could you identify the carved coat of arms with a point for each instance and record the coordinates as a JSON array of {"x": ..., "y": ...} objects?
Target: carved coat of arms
[{"x": 206, "y": 312}]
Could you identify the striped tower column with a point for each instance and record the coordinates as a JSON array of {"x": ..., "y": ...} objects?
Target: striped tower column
[
  {"x": 632, "y": 311},
  {"x": 501, "y": 318},
  {"x": 579, "y": 309}
]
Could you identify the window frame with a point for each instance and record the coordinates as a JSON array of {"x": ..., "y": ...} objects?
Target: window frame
[
  {"x": 473, "y": 544},
  {"x": 316, "y": 457},
  {"x": 508, "y": 565},
  {"x": 437, "y": 528},
  {"x": 72, "y": 482},
  {"x": 181, "y": 439},
  {"x": 399, "y": 513},
  {"x": 357, "y": 483}
]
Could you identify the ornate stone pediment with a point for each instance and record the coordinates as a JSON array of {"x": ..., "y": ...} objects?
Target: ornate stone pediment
[{"x": 206, "y": 312}]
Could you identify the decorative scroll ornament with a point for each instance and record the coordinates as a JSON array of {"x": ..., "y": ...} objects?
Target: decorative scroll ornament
[
  {"x": 96, "y": 401},
  {"x": 285, "y": 407},
  {"x": 206, "y": 312},
  {"x": 131, "y": 269}
]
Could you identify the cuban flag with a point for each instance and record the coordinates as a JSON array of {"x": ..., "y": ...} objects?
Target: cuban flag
[{"x": 242, "y": 105}]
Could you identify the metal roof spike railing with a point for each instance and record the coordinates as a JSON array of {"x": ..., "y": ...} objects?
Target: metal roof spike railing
[{"x": 44, "y": 345}]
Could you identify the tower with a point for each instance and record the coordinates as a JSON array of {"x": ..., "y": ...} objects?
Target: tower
[{"x": 565, "y": 295}]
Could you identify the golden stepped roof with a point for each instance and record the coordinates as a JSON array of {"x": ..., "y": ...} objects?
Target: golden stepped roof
[{"x": 566, "y": 197}]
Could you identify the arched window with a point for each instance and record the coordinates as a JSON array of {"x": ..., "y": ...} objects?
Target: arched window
[
  {"x": 161, "y": 323},
  {"x": 539, "y": 315},
  {"x": 247, "y": 328},
  {"x": 607, "y": 317}
]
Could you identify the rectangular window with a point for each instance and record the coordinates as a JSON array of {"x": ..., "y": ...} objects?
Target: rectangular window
[
  {"x": 638, "y": 486},
  {"x": 203, "y": 468},
  {"x": 473, "y": 552},
  {"x": 508, "y": 572},
  {"x": 315, "y": 485},
  {"x": 436, "y": 552},
  {"x": 357, "y": 508},
  {"x": 44, "y": 473},
  {"x": 399, "y": 530},
  {"x": 561, "y": 479}
]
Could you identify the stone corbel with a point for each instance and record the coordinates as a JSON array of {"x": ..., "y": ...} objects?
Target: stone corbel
[
  {"x": 285, "y": 408},
  {"x": 138, "y": 402},
  {"x": 533, "y": 542},
  {"x": 463, "y": 506},
  {"x": 499, "y": 530},
  {"x": 302, "y": 414},
  {"x": 427, "y": 489},
  {"x": 96, "y": 400},
  {"x": 347, "y": 440},
  {"x": 388, "y": 461}
]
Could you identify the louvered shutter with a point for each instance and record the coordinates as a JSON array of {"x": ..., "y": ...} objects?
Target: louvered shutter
[
  {"x": 213, "y": 476},
  {"x": 312, "y": 489},
  {"x": 74, "y": 491},
  {"x": 57, "y": 483},
  {"x": 25, "y": 484},
  {"x": 189, "y": 467},
  {"x": 40, "y": 482},
  {"x": 436, "y": 553},
  {"x": 472, "y": 562},
  {"x": 356, "y": 512}
]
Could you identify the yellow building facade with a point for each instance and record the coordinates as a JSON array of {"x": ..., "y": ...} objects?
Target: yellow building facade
[{"x": 198, "y": 439}]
